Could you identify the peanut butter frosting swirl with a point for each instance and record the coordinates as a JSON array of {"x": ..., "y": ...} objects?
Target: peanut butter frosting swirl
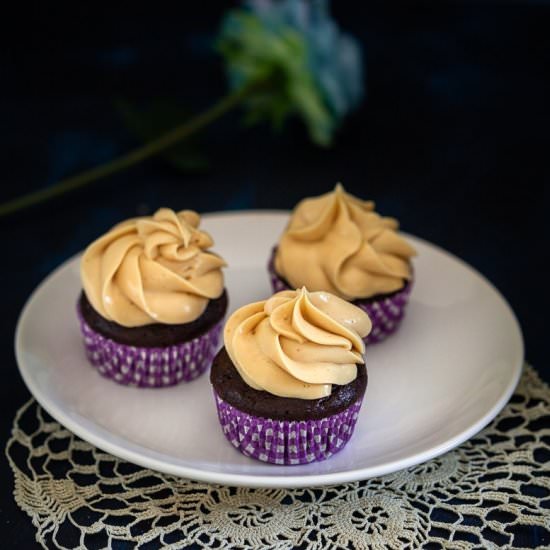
[
  {"x": 153, "y": 269},
  {"x": 297, "y": 343},
  {"x": 338, "y": 243}
]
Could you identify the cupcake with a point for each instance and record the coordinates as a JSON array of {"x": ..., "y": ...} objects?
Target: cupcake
[
  {"x": 290, "y": 380},
  {"x": 153, "y": 300},
  {"x": 339, "y": 244}
]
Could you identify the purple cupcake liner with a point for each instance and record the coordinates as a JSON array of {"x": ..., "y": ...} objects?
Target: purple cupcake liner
[
  {"x": 150, "y": 367},
  {"x": 386, "y": 314},
  {"x": 287, "y": 442}
]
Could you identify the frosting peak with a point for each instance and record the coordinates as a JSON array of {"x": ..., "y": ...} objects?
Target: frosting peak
[
  {"x": 338, "y": 243},
  {"x": 297, "y": 343},
  {"x": 153, "y": 269}
]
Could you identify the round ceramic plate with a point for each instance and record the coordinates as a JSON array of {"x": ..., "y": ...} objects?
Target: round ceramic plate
[{"x": 443, "y": 376}]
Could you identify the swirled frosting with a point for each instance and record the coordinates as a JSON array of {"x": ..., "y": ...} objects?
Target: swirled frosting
[
  {"x": 338, "y": 243},
  {"x": 154, "y": 269},
  {"x": 297, "y": 343}
]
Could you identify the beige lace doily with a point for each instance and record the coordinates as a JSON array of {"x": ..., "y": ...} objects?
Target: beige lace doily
[{"x": 492, "y": 491}]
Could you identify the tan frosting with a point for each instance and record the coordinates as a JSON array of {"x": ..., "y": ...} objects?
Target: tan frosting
[
  {"x": 154, "y": 269},
  {"x": 336, "y": 242},
  {"x": 297, "y": 343}
]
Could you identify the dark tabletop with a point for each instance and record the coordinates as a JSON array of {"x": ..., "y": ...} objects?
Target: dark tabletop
[{"x": 450, "y": 141}]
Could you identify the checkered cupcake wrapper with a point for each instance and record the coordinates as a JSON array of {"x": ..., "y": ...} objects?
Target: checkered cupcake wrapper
[
  {"x": 287, "y": 442},
  {"x": 386, "y": 314},
  {"x": 150, "y": 367}
]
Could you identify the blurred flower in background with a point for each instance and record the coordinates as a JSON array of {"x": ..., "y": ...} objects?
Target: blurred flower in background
[
  {"x": 283, "y": 58},
  {"x": 310, "y": 67}
]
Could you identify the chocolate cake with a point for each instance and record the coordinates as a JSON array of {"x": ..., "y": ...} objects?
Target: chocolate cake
[
  {"x": 156, "y": 334},
  {"x": 338, "y": 243},
  {"x": 229, "y": 385},
  {"x": 290, "y": 381},
  {"x": 153, "y": 300}
]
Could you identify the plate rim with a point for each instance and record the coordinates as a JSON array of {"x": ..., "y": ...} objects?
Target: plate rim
[{"x": 128, "y": 450}]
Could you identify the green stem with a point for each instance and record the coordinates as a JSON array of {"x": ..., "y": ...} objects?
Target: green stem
[{"x": 133, "y": 157}]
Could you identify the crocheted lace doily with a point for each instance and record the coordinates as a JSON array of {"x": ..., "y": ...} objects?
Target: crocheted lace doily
[{"x": 494, "y": 490}]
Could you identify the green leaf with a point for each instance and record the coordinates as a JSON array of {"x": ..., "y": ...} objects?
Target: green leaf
[
  {"x": 255, "y": 51},
  {"x": 314, "y": 71},
  {"x": 160, "y": 116}
]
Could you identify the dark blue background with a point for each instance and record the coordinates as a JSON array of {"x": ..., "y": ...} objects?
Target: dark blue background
[{"x": 452, "y": 141}]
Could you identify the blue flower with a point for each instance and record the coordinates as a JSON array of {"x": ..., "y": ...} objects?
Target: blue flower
[{"x": 306, "y": 64}]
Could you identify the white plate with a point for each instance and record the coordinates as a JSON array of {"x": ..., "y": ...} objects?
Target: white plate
[{"x": 442, "y": 377}]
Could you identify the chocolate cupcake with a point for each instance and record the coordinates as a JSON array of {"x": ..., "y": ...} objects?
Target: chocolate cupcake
[
  {"x": 153, "y": 300},
  {"x": 339, "y": 244},
  {"x": 290, "y": 381}
]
